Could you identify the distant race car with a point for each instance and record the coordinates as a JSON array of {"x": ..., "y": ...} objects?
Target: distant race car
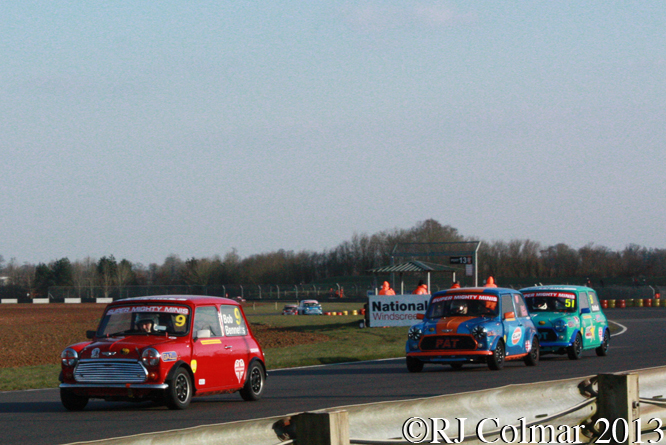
[
  {"x": 569, "y": 319},
  {"x": 290, "y": 309},
  {"x": 309, "y": 307},
  {"x": 473, "y": 325}
]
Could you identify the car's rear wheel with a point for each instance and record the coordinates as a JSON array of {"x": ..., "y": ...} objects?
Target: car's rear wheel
[
  {"x": 179, "y": 392},
  {"x": 254, "y": 384},
  {"x": 532, "y": 357},
  {"x": 602, "y": 350},
  {"x": 496, "y": 361},
  {"x": 575, "y": 351},
  {"x": 72, "y": 401},
  {"x": 414, "y": 364}
]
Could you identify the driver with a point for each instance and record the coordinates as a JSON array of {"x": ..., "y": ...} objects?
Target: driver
[
  {"x": 145, "y": 325},
  {"x": 461, "y": 309}
]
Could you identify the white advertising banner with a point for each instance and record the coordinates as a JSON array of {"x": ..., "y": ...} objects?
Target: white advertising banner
[{"x": 395, "y": 310}]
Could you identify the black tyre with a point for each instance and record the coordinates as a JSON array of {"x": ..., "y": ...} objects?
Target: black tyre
[
  {"x": 496, "y": 361},
  {"x": 179, "y": 392},
  {"x": 532, "y": 357},
  {"x": 602, "y": 351},
  {"x": 254, "y": 384},
  {"x": 414, "y": 364},
  {"x": 575, "y": 351},
  {"x": 71, "y": 401},
  {"x": 456, "y": 366}
]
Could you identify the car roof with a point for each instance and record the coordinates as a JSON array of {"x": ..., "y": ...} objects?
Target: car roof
[
  {"x": 309, "y": 301},
  {"x": 559, "y": 287},
  {"x": 194, "y": 300},
  {"x": 476, "y": 290}
]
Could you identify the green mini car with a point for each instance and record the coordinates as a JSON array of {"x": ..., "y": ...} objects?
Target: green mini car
[{"x": 569, "y": 319}]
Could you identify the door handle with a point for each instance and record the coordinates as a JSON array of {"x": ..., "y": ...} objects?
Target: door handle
[{"x": 227, "y": 347}]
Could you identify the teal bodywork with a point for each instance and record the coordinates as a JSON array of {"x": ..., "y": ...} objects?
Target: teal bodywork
[{"x": 569, "y": 319}]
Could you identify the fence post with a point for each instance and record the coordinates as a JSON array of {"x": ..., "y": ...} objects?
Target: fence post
[
  {"x": 618, "y": 403},
  {"x": 329, "y": 428}
]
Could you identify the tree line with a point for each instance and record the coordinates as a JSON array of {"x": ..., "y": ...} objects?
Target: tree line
[{"x": 515, "y": 260}]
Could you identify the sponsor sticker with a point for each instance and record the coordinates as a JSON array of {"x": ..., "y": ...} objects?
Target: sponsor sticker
[
  {"x": 528, "y": 345},
  {"x": 165, "y": 309},
  {"x": 213, "y": 341},
  {"x": 601, "y": 333},
  {"x": 476, "y": 297},
  {"x": 202, "y": 382},
  {"x": 193, "y": 365},
  {"x": 125, "y": 351},
  {"x": 516, "y": 336},
  {"x": 169, "y": 356},
  {"x": 95, "y": 353},
  {"x": 239, "y": 368}
]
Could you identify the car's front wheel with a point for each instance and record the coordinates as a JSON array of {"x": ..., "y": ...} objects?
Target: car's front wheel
[
  {"x": 179, "y": 392},
  {"x": 602, "y": 350},
  {"x": 496, "y": 361},
  {"x": 575, "y": 351},
  {"x": 72, "y": 401},
  {"x": 254, "y": 385},
  {"x": 414, "y": 364}
]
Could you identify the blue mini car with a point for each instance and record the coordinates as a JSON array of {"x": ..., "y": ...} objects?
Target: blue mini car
[
  {"x": 309, "y": 307},
  {"x": 473, "y": 325}
]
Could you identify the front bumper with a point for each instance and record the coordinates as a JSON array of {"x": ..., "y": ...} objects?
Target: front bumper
[
  {"x": 148, "y": 386},
  {"x": 451, "y": 356}
]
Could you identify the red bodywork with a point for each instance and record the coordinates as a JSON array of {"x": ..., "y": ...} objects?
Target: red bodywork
[{"x": 111, "y": 367}]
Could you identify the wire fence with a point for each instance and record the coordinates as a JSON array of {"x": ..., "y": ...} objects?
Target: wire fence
[{"x": 280, "y": 292}]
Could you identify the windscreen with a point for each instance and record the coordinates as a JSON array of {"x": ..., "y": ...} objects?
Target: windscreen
[
  {"x": 145, "y": 320},
  {"x": 551, "y": 301},
  {"x": 464, "y": 305}
]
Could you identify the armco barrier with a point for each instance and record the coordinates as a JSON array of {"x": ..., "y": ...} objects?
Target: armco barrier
[{"x": 559, "y": 403}]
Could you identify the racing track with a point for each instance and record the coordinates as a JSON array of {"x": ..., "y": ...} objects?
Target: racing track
[{"x": 38, "y": 418}]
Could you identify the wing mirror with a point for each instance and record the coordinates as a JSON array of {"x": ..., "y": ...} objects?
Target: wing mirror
[
  {"x": 420, "y": 316},
  {"x": 508, "y": 315},
  {"x": 90, "y": 334},
  {"x": 203, "y": 333}
]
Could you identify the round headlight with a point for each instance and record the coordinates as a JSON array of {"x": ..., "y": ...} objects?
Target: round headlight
[
  {"x": 559, "y": 325},
  {"x": 479, "y": 332},
  {"x": 414, "y": 333},
  {"x": 150, "y": 357},
  {"x": 69, "y": 357}
]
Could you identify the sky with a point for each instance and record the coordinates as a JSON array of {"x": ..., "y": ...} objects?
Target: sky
[{"x": 144, "y": 129}]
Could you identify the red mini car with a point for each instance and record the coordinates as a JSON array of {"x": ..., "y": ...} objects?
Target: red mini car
[{"x": 166, "y": 349}]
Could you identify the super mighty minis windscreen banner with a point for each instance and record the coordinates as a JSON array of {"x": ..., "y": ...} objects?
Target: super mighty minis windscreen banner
[{"x": 395, "y": 310}]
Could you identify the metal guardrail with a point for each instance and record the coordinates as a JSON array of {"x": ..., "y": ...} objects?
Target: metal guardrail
[{"x": 570, "y": 402}]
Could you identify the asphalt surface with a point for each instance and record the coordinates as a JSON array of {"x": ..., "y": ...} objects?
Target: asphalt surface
[{"x": 38, "y": 418}]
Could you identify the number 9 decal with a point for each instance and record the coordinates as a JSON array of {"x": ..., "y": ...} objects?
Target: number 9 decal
[{"x": 180, "y": 320}]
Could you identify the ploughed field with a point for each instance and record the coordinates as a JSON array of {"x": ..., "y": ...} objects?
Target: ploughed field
[{"x": 36, "y": 334}]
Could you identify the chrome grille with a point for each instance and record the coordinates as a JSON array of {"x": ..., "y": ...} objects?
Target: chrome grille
[{"x": 110, "y": 371}]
